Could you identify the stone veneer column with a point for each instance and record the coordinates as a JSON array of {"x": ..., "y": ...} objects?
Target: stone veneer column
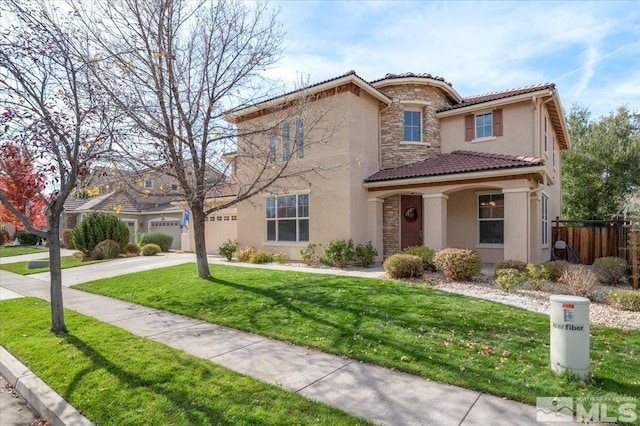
[
  {"x": 391, "y": 225},
  {"x": 434, "y": 220},
  {"x": 375, "y": 225},
  {"x": 516, "y": 224}
]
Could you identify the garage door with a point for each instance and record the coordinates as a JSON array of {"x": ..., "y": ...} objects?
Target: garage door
[{"x": 168, "y": 226}]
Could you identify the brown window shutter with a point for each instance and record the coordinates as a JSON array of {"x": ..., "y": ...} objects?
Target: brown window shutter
[
  {"x": 497, "y": 122},
  {"x": 469, "y": 128}
]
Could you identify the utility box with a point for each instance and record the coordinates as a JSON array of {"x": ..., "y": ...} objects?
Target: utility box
[{"x": 570, "y": 335}]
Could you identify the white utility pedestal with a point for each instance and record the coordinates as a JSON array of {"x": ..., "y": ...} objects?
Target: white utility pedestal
[{"x": 570, "y": 335}]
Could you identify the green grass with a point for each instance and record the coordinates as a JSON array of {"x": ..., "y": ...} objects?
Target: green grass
[
  {"x": 116, "y": 378},
  {"x": 447, "y": 337},
  {"x": 8, "y": 251},
  {"x": 65, "y": 262}
]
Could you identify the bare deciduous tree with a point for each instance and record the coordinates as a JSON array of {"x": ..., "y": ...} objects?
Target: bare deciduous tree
[
  {"x": 52, "y": 109},
  {"x": 176, "y": 68}
]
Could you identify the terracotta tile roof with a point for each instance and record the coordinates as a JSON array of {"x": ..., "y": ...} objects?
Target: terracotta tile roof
[
  {"x": 390, "y": 76},
  {"x": 454, "y": 163},
  {"x": 494, "y": 96}
]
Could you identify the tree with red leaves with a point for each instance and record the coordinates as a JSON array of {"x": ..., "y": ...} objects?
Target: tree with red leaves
[{"x": 23, "y": 187}]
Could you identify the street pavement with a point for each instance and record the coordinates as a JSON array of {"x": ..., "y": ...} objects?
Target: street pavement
[{"x": 381, "y": 395}]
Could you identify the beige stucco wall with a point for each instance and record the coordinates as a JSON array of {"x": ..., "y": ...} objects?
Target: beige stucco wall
[
  {"x": 517, "y": 138},
  {"x": 337, "y": 200}
]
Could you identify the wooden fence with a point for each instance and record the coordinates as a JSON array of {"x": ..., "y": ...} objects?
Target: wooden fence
[{"x": 593, "y": 239}]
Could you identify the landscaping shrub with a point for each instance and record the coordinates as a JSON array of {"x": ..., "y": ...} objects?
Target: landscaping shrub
[
  {"x": 538, "y": 275},
  {"x": 556, "y": 268},
  {"x": 518, "y": 265},
  {"x": 4, "y": 237},
  {"x": 260, "y": 256},
  {"x": 280, "y": 258},
  {"x": 508, "y": 278},
  {"x": 579, "y": 281},
  {"x": 162, "y": 239},
  {"x": 308, "y": 254},
  {"x": 67, "y": 238},
  {"x": 80, "y": 256},
  {"x": 99, "y": 226},
  {"x": 132, "y": 249},
  {"x": 610, "y": 270},
  {"x": 338, "y": 253},
  {"x": 424, "y": 253},
  {"x": 404, "y": 266},
  {"x": 245, "y": 253},
  {"x": 366, "y": 254},
  {"x": 629, "y": 300},
  {"x": 27, "y": 238},
  {"x": 150, "y": 249},
  {"x": 107, "y": 249},
  {"x": 227, "y": 249},
  {"x": 458, "y": 264}
]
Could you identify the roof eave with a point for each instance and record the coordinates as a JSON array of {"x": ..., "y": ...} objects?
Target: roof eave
[
  {"x": 495, "y": 103},
  {"x": 523, "y": 170}
]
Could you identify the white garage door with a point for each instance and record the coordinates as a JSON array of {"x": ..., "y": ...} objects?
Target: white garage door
[{"x": 168, "y": 226}]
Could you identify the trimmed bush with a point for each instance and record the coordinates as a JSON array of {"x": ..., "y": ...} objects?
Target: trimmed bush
[
  {"x": 338, "y": 253},
  {"x": 366, "y": 254},
  {"x": 579, "y": 281},
  {"x": 132, "y": 249},
  {"x": 96, "y": 227},
  {"x": 308, "y": 254},
  {"x": 509, "y": 278},
  {"x": 610, "y": 270},
  {"x": 629, "y": 300},
  {"x": 80, "y": 256},
  {"x": 424, "y": 253},
  {"x": 260, "y": 256},
  {"x": 538, "y": 275},
  {"x": 107, "y": 249},
  {"x": 150, "y": 249},
  {"x": 403, "y": 266},
  {"x": 227, "y": 249},
  {"x": 67, "y": 238},
  {"x": 280, "y": 258},
  {"x": 27, "y": 238},
  {"x": 245, "y": 253},
  {"x": 4, "y": 237},
  {"x": 556, "y": 268},
  {"x": 518, "y": 265},
  {"x": 458, "y": 264},
  {"x": 162, "y": 239}
]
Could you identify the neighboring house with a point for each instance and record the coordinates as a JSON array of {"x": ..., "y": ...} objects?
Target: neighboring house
[{"x": 421, "y": 165}]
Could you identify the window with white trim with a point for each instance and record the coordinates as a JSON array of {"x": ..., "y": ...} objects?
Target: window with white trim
[
  {"x": 546, "y": 147},
  {"x": 484, "y": 125},
  {"x": 300, "y": 138},
  {"x": 288, "y": 218},
  {"x": 490, "y": 218},
  {"x": 273, "y": 150},
  {"x": 412, "y": 128},
  {"x": 286, "y": 142},
  {"x": 545, "y": 220}
]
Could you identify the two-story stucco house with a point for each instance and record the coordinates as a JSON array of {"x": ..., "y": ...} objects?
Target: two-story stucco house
[{"x": 421, "y": 165}]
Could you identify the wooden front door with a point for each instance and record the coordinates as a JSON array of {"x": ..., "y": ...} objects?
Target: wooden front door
[{"x": 410, "y": 221}]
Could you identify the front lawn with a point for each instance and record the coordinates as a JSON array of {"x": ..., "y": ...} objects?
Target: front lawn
[
  {"x": 116, "y": 378},
  {"x": 447, "y": 337},
  {"x": 65, "y": 262},
  {"x": 7, "y": 251}
]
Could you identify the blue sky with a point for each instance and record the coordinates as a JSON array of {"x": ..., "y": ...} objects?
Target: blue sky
[{"x": 591, "y": 50}]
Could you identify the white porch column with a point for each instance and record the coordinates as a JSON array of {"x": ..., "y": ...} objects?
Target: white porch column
[
  {"x": 516, "y": 224},
  {"x": 374, "y": 218},
  {"x": 434, "y": 221}
]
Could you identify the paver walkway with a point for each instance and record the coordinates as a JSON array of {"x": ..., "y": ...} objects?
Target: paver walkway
[{"x": 379, "y": 394}]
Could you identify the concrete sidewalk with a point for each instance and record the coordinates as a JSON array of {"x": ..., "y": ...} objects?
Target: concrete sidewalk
[{"x": 379, "y": 394}]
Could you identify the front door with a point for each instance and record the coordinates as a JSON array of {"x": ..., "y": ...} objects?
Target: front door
[{"x": 410, "y": 221}]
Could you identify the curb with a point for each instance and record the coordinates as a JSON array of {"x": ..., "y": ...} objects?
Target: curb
[{"x": 42, "y": 399}]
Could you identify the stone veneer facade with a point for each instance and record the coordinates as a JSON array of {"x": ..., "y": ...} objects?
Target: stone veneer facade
[
  {"x": 391, "y": 226},
  {"x": 428, "y": 99}
]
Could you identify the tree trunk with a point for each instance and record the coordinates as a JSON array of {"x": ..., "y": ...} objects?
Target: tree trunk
[
  {"x": 198, "y": 219},
  {"x": 57, "y": 309}
]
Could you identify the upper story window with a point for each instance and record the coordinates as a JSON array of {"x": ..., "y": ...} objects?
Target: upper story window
[
  {"x": 286, "y": 141},
  {"x": 148, "y": 184},
  {"x": 412, "y": 126},
  {"x": 273, "y": 150},
  {"x": 300, "y": 138},
  {"x": 483, "y": 125},
  {"x": 491, "y": 218},
  {"x": 546, "y": 146}
]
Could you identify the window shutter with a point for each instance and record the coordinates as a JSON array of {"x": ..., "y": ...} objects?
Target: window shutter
[
  {"x": 469, "y": 128},
  {"x": 497, "y": 122}
]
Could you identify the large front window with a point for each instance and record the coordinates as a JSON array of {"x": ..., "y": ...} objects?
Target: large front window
[
  {"x": 288, "y": 218},
  {"x": 412, "y": 128},
  {"x": 491, "y": 219}
]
